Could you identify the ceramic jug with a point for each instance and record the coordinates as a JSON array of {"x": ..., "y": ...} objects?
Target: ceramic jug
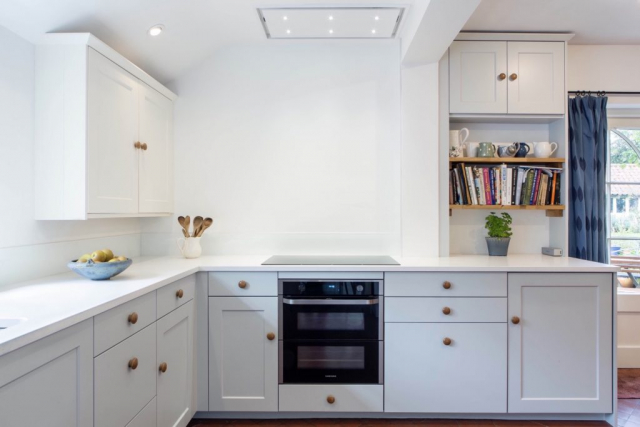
[
  {"x": 486, "y": 149},
  {"x": 457, "y": 138},
  {"x": 544, "y": 149},
  {"x": 190, "y": 247},
  {"x": 523, "y": 150},
  {"x": 508, "y": 150}
]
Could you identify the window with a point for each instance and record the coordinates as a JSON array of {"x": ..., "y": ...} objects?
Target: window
[{"x": 623, "y": 191}]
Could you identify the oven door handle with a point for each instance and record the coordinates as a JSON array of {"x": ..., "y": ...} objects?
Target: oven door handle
[{"x": 330, "y": 301}]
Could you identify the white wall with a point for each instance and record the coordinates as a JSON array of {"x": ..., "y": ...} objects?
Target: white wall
[
  {"x": 420, "y": 161},
  {"x": 292, "y": 147},
  {"x": 604, "y": 67},
  {"x": 30, "y": 248}
]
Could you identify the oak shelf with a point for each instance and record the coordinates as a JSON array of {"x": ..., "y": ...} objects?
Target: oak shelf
[
  {"x": 551, "y": 210},
  {"x": 508, "y": 160}
]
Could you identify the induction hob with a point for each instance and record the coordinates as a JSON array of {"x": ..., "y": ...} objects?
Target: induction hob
[{"x": 331, "y": 260}]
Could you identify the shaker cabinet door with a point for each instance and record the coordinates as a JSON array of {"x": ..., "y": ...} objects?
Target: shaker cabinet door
[
  {"x": 536, "y": 77},
  {"x": 423, "y": 374},
  {"x": 560, "y": 343},
  {"x": 243, "y": 362},
  {"x": 112, "y": 128},
  {"x": 49, "y": 382},
  {"x": 156, "y": 154},
  {"x": 175, "y": 367},
  {"x": 477, "y": 77}
]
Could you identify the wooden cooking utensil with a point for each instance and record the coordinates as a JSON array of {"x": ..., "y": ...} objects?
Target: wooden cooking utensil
[
  {"x": 181, "y": 222},
  {"x": 206, "y": 224},
  {"x": 187, "y": 222},
  {"x": 197, "y": 223}
]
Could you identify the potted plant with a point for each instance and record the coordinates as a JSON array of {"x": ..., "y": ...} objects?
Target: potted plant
[{"x": 499, "y": 228}]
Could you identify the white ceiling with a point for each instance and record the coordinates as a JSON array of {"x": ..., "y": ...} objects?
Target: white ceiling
[
  {"x": 593, "y": 21},
  {"x": 194, "y": 29}
]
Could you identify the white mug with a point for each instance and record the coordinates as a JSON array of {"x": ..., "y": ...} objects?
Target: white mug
[
  {"x": 190, "y": 247},
  {"x": 456, "y": 139},
  {"x": 544, "y": 149},
  {"x": 472, "y": 149}
]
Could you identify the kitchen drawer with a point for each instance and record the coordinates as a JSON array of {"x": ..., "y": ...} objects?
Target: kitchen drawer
[
  {"x": 119, "y": 323},
  {"x": 147, "y": 417},
  {"x": 255, "y": 284},
  {"x": 446, "y": 284},
  {"x": 346, "y": 398},
  {"x": 403, "y": 309},
  {"x": 175, "y": 294},
  {"x": 120, "y": 392}
]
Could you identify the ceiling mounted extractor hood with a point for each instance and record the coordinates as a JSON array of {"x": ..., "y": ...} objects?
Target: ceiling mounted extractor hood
[{"x": 331, "y": 22}]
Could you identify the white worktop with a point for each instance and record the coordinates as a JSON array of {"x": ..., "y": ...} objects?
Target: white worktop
[{"x": 56, "y": 302}]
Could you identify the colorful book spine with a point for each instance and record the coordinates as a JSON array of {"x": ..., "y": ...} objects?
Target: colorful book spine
[
  {"x": 506, "y": 194},
  {"x": 487, "y": 186},
  {"x": 471, "y": 185},
  {"x": 534, "y": 189}
]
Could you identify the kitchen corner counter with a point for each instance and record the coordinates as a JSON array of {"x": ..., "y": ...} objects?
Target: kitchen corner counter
[{"x": 53, "y": 303}]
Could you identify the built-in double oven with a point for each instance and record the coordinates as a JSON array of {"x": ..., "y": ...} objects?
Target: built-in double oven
[{"x": 331, "y": 331}]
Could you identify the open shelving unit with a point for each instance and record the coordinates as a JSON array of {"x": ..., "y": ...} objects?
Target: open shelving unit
[{"x": 555, "y": 162}]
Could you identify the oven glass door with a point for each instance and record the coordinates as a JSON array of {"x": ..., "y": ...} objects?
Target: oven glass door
[
  {"x": 334, "y": 362},
  {"x": 323, "y": 318}
]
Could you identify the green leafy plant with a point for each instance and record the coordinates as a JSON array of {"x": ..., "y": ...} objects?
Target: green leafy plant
[{"x": 499, "y": 226}]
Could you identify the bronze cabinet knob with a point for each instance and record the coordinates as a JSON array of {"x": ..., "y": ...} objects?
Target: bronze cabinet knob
[
  {"x": 180, "y": 293},
  {"x": 446, "y": 285},
  {"x": 163, "y": 367},
  {"x": 133, "y": 318},
  {"x": 331, "y": 399},
  {"x": 137, "y": 144},
  {"x": 144, "y": 146},
  {"x": 242, "y": 284},
  {"x": 513, "y": 76},
  {"x": 271, "y": 336},
  {"x": 502, "y": 76},
  {"x": 446, "y": 310},
  {"x": 515, "y": 320},
  {"x": 133, "y": 363},
  {"x": 447, "y": 341}
]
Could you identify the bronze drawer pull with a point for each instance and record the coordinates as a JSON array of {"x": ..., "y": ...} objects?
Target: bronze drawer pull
[
  {"x": 242, "y": 284},
  {"x": 447, "y": 341},
  {"x": 180, "y": 293},
  {"x": 331, "y": 399},
  {"x": 163, "y": 367},
  {"x": 446, "y": 310},
  {"x": 133, "y": 318},
  {"x": 133, "y": 363},
  {"x": 446, "y": 285}
]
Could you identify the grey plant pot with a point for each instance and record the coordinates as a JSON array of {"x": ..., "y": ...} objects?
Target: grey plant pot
[{"x": 498, "y": 246}]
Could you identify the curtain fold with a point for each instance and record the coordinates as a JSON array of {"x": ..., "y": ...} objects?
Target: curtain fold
[{"x": 587, "y": 178}]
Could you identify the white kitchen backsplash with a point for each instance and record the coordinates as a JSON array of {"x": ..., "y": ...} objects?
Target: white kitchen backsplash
[{"x": 21, "y": 263}]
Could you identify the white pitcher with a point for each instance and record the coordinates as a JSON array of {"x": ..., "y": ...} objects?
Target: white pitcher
[
  {"x": 190, "y": 247},
  {"x": 456, "y": 139},
  {"x": 544, "y": 149}
]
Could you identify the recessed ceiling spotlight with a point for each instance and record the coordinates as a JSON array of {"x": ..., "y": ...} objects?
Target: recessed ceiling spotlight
[
  {"x": 376, "y": 18},
  {"x": 288, "y": 31},
  {"x": 156, "y": 30},
  {"x": 330, "y": 31},
  {"x": 284, "y": 18},
  {"x": 373, "y": 31},
  {"x": 330, "y": 17}
]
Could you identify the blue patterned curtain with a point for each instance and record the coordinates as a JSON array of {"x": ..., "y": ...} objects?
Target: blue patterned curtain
[{"x": 587, "y": 178}]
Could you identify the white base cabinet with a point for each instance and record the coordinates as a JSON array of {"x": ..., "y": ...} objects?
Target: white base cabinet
[
  {"x": 49, "y": 382},
  {"x": 560, "y": 349},
  {"x": 331, "y": 398},
  {"x": 175, "y": 336},
  {"x": 243, "y": 361},
  {"x": 422, "y": 374}
]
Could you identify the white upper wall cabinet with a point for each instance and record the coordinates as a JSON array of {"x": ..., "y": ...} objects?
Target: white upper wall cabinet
[
  {"x": 104, "y": 133},
  {"x": 536, "y": 77},
  {"x": 506, "y": 77},
  {"x": 478, "y": 77}
]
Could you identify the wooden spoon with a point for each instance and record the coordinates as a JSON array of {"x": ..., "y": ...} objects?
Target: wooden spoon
[
  {"x": 187, "y": 222},
  {"x": 206, "y": 224},
  {"x": 181, "y": 222},
  {"x": 197, "y": 223}
]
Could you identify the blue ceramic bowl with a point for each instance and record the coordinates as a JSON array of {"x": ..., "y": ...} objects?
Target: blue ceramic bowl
[{"x": 99, "y": 270}]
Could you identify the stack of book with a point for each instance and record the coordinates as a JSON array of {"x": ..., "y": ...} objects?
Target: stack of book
[{"x": 504, "y": 185}]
